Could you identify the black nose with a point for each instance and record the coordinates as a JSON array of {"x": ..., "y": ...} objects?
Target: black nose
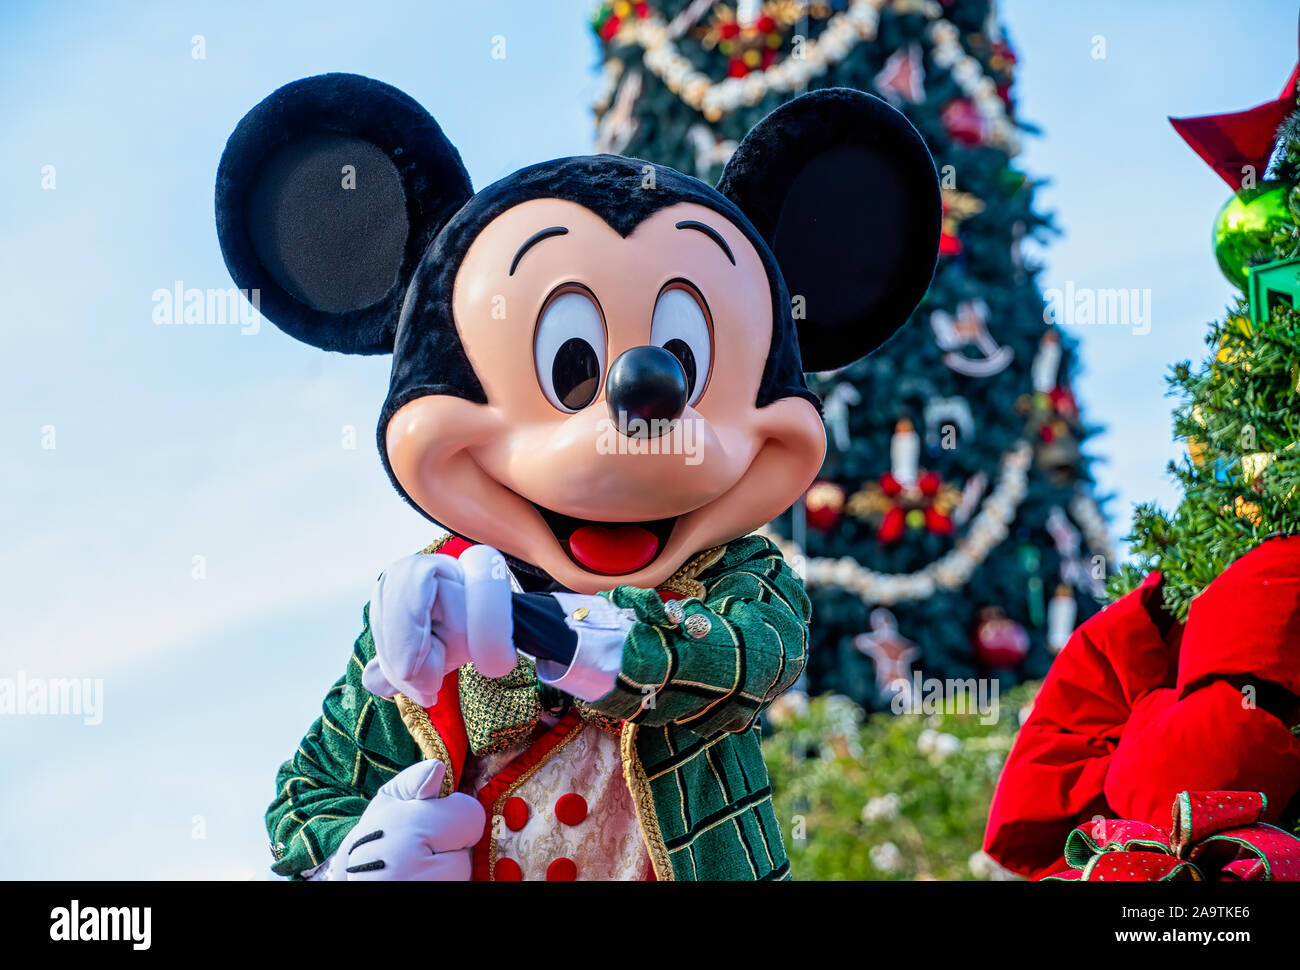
[{"x": 646, "y": 385}]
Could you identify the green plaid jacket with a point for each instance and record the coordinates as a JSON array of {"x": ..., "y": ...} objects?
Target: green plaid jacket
[{"x": 691, "y": 739}]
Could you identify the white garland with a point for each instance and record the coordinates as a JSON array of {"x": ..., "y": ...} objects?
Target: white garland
[
  {"x": 611, "y": 72},
  {"x": 842, "y": 33},
  {"x": 950, "y": 571},
  {"x": 970, "y": 77},
  {"x": 1096, "y": 532}
]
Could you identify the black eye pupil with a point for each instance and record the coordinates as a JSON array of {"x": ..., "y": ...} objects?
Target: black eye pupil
[
  {"x": 575, "y": 373},
  {"x": 685, "y": 356}
]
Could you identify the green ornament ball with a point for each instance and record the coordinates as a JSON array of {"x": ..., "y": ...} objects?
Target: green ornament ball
[{"x": 1245, "y": 226}]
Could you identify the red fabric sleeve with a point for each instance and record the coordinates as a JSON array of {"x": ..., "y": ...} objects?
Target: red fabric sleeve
[
  {"x": 1136, "y": 710},
  {"x": 1055, "y": 774}
]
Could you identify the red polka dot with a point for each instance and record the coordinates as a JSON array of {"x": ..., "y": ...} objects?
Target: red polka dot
[
  {"x": 571, "y": 809},
  {"x": 562, "y": 870},
  {"x": 515, "y": 812},
  {"x": 507, "y": 870}
]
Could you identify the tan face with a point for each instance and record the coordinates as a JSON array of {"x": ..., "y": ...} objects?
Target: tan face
[{"x": 543, "y": 470}]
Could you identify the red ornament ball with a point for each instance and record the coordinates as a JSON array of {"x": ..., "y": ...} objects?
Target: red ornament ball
[
  {"x": 610, "y": 27},
  {"x": 963, "y": 121},
  {"x": 1000, "y": 642}
]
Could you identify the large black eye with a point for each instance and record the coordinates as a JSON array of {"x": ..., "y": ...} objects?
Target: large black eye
[
  {"x": 681, "y": 328},
  {"x": 569, "y": 349},
  {"x": 682, "y": 351}
]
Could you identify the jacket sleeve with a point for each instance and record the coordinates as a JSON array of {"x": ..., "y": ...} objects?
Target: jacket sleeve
[
  {"x": 727, "y": 655},
  {"x": 357, "y": 744}
]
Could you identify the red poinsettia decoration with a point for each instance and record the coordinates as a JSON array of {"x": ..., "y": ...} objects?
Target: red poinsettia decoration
[
  {"x": 918, "y": 506},
  {"x": 949, "y": 243},
  {"x": 1003, "y": 58},
  {"x": 611, "y": 16},
  {"x": 1138, "y": 708},
  {"x": 1216, "y": 836},
  {"x": 748, "y": 46},
  {"x": 957, "y": 208}
]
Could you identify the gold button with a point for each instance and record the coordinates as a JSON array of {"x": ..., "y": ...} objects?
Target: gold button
[{"x": 581, "y": 613}]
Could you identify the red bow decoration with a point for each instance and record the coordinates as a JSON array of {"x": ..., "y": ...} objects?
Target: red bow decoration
[
  {"x": 1138, "y": 708},
  {"x": 1217, "y": 836},
  {"x": 1230, "y": 142}
]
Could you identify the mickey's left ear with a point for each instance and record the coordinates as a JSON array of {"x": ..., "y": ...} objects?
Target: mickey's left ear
[{"x": 844, "y": 190}]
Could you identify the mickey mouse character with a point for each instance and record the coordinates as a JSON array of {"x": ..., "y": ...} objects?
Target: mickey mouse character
[{"x": 597, "y": 389}]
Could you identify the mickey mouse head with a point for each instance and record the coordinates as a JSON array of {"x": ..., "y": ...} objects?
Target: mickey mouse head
[{"x": 597, "y": 361}]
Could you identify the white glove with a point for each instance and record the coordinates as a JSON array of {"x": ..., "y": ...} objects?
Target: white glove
[
  {"x": 408, "y": 833},
  {"x": 431, "y": 614}
]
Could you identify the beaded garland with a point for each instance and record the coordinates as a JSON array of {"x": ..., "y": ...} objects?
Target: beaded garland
[{"x": 842, "y": 33}]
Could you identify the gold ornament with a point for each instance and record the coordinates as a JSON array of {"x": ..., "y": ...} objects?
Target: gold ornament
[
  {"x": 1195, "y": 446},
  {"x": 1252, "y": 466},
  {"x": 1247, "y": 510}
]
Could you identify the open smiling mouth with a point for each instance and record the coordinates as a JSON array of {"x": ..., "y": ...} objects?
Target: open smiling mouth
[{"x": 612, "y": 548}]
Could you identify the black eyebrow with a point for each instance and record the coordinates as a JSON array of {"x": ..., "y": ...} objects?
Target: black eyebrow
[
  {"x": 711, "y": 233},
  {"x": 532, "y": 241}
]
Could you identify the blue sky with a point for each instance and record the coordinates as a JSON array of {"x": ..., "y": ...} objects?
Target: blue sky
[{"x": 179, "y": 442}]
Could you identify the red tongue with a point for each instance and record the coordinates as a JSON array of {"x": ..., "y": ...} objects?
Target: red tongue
[{"x": 620, "y": 549}]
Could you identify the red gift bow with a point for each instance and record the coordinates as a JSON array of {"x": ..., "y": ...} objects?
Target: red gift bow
[
  {"x": 1216, "y": 836},
  {"x": 1138, "y": 708}
]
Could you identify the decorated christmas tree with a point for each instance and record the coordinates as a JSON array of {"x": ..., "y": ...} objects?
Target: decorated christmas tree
[
  {"x": 1238, "y": 410},
  {"x": 953, "y": 531}
]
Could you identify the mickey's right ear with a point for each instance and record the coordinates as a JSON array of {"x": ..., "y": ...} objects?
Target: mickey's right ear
[{"x": 328, "y": 193}]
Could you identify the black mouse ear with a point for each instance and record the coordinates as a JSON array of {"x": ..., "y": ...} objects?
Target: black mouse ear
[
  {"x": 845, "y": 192},
  {"x": 328, "y": 193}
]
